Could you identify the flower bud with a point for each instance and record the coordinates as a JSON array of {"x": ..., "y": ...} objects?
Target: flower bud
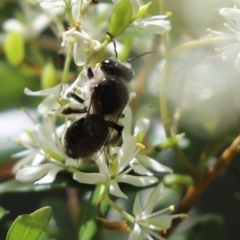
[
  {"x": 49, "y": 76},
  {"x": 121, "y": 18},
  {"x": 14, "y": 48}
]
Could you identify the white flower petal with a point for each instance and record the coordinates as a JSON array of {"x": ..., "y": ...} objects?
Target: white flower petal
[
  {"x": 230, "y": 52},
  {"x": 126, "y": 152},
  {"x": 126, "y": 122},
  {"x": 47, "y": 5},
  {"x": 142, "y": 126},
  {"x": 39, "y": 158},
  {"x": 136, "y": 233},
  {"x": 89, "y": 178},
  {"x": 79, "y": 54},
  {"x": 24, "y": 161},
  {"x": 137, "y": 209},
  {"x": 161, "y": 222},
  {"x": 55, "y": 90},
  {"x": 101, "y": 162},
  {"x": 40, "y": 23},
  {"x": 115, "y": 190},
  {"x": 154, "y": 24},
  {"x": 237, "y": 62},
  {"x": 152, "y": 165},
  {"x": 230, "y": 13},
  {"x": 139, "y": 169},
  {"x": 153, "y": 199},
  {"x": 33, "y": 173},
  {"x": 51, "y": 175},
  {"x": 136, "y": 181},
  {"x": 13, "y": 24},
  {"x": 49, "y": 104}
]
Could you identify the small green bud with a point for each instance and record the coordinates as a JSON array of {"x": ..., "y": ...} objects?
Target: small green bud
[
  {"x": 49, "y": 76},
  {"x": 140, "y": 12},
  {"x": 168, "y": 143},
  {"x": 178, "y": 179},
  {"x": 14, "y": 48},
  {"x": 121, "y": 17}
]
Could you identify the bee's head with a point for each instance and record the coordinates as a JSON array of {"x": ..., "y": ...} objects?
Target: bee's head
[{"x": 115, "y": 68}]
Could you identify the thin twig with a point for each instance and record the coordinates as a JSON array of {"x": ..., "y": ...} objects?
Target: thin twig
[{"x": 194, "y": 192}]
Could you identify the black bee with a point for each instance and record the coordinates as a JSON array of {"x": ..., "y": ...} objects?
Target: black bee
[
  {"x": 87, "y": 135},
  {"x": 108, "y": 96}
]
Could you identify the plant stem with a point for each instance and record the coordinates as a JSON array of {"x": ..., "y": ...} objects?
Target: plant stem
[
  {"x": 194, "y": 192},
  {"x": 127, "y": 216},
  {"x": 67, "y": 62}
]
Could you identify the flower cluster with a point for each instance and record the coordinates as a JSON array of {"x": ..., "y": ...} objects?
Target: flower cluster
[{"x": 231, "y": 51}]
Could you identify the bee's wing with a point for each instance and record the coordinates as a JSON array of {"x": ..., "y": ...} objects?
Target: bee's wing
[{"x": 114, "y": 118}]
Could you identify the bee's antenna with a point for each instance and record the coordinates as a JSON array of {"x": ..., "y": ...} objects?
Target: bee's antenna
[
  {"x": 141, "y": 55},
  {"x": 114, "y": 43}
]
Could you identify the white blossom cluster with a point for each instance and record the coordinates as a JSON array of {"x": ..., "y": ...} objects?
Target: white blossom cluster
[{"x": 231, "y": 51}]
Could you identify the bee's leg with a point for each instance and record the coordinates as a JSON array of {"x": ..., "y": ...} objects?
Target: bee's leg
[
  {"x": 115, "y": 138},
  {"x": 75, "y": 96},
  {"x": 69, "y": 110},
  {"x": 89, "y": 72}
]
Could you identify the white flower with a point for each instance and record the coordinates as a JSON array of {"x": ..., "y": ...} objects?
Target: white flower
[
  {"x": 33, "y": 29},
  {"x": 126, "y": 159},
  {"x": 43, "y": 144},
  {"x": 51, "y": 4},
  {"x": 146, "y": 221},
  {"x": 154, "y": 24},
  {"x": 141, "y": 164},
  {"x": 116, "y": 171},
  {"x": 83, "y": 44},
  {"x": 231, "y": 51},
  {"x": 50, "y": 102}
]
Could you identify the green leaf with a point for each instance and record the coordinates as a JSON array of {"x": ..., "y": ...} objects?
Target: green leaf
[
  {"x": 15, "y": 186},
  {"x": 121, "y": 17},
  {"x": 141, "y": 11},
  {"x": 3, "y": 212},
  {"x": 30, "y": 226},
  {"x": 14, "y": 48},
  {"x": 49, "y": 76}
]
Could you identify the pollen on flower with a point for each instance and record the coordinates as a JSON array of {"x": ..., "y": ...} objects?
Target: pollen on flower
[
  {"x": 98, "y": 65},
  {"x": 140, "y": 145},
  {"x": 226, "y": 25},
  {"x": 209, "y": 30},
  {"x": 76, "y": 25},
  {"x": 87, "y": 50},
  {"x": 19, "y": 142},
  {"x": 169, "y": 14},
  {"x": 171, "y": 208},
  {"x": 21, "y": 165},
  {"x": 48, "y": 157}
]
